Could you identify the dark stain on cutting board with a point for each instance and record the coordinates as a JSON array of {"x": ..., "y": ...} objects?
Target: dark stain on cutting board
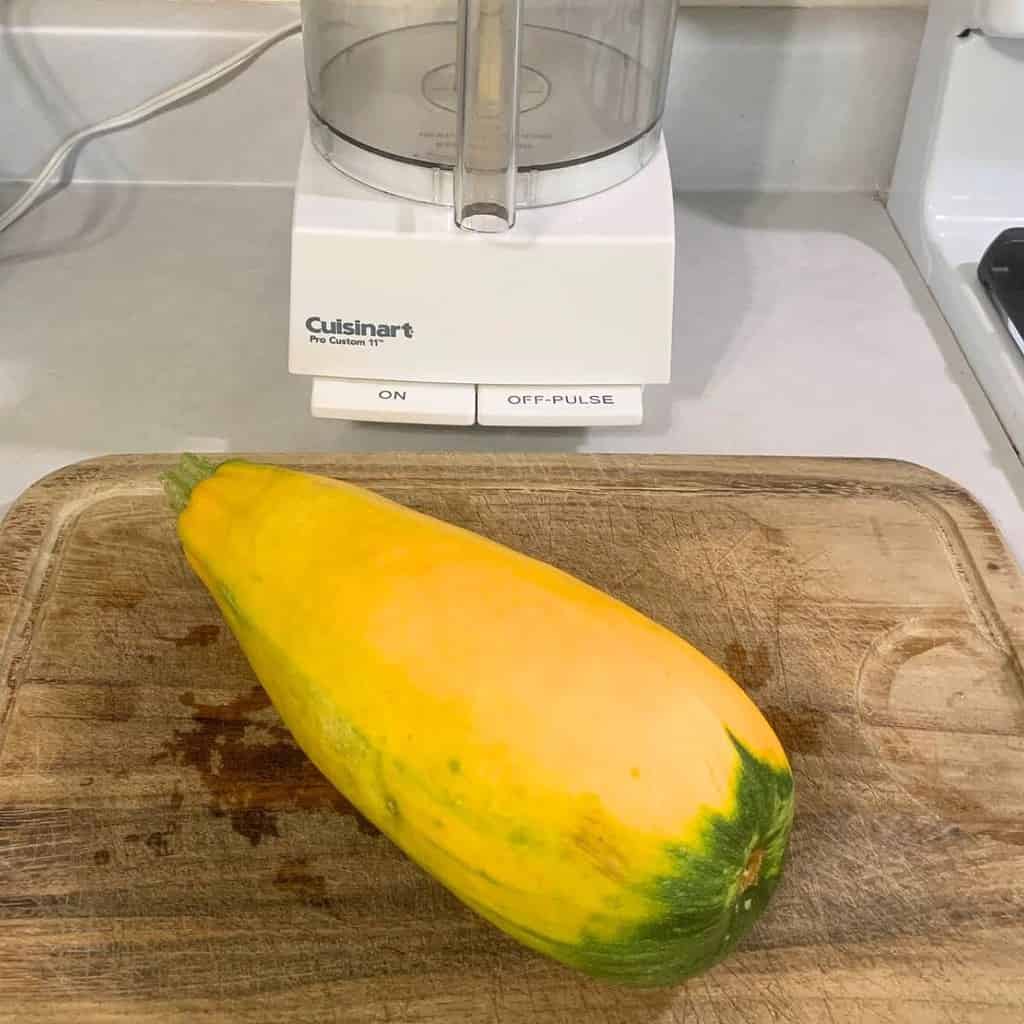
[
  {"x": 195, "y": 636},
  {"x": 753, "y": 670},
  {"x": 250, "y": 765}
]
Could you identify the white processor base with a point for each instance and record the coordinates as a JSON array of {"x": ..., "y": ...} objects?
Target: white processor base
[{"x": 400, "y": 316}]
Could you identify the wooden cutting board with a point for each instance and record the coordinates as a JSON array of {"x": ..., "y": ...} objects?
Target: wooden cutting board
[{"x": 168, "y": 854}]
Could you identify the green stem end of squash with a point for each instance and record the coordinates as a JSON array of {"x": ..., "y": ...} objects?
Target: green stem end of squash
[{"x": 180, "y": 481}]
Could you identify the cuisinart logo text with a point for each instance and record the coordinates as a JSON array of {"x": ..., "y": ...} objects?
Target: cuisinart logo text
[{"x": 353, "y": 332}]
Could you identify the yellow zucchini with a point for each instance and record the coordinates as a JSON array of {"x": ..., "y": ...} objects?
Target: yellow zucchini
[{"x": 583, "y": 778}]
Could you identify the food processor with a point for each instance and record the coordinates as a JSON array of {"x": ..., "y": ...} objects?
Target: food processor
[{"x": 483, "y": 226}]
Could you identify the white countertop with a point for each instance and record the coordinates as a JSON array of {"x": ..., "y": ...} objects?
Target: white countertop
[{"x": 154, "y": 319}]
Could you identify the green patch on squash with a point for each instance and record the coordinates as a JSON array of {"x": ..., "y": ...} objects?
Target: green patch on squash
[{"x": 721, "y": 885}]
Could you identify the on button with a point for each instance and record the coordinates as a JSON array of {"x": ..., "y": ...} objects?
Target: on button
[{"x": 392, "y": 401}]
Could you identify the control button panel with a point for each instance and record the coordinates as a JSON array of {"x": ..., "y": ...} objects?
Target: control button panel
[
  {"x": 614, "y": 405},
  {"x": 390, "y": 401}
]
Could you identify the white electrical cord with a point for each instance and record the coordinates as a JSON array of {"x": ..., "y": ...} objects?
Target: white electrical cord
[{"x": 154, "y": 105}]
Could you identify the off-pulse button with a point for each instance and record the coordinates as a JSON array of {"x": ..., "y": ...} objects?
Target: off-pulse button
[
  {"x": 391, "y": 401},
  {"x": 609, "y": 406}
]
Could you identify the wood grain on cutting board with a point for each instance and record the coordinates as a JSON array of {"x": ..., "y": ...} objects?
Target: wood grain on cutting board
[
  {"x": 166, "y": 851},
  {"x": 740, "y": 3}
]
